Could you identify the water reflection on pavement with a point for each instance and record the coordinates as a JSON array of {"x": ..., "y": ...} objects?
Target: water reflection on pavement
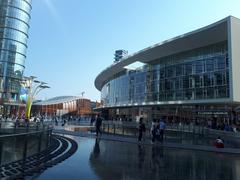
[{"x": 101, "y": 159}]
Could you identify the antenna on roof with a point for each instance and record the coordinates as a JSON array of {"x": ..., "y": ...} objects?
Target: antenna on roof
[{"x": 82, "y": 93}]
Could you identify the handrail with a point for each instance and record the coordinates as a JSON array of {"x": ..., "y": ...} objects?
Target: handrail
[
  {"x": 177, "y": 127},
  {"x": 26, "y": 138},
  {"x": 25, "y": 133}
]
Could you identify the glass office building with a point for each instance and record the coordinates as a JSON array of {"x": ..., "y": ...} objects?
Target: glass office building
[
  {"x": 14, "y": 25},
  {"x": 192, "y": 75}
]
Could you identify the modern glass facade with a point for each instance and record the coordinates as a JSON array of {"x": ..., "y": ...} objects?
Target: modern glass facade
[
  {"x": 199, "y": 74},
  {"x": 14, "y": 25}
]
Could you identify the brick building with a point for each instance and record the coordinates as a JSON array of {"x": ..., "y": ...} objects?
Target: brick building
[{"x": 64, "y": 105}]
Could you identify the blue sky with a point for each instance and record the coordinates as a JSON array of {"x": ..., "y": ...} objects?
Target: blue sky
[{"x": 71, "y": 41}]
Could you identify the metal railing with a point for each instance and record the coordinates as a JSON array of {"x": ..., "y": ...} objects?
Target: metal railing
[
  {"x": 18, "y": 143},
  {"x": 10, "y": 127},
  {"x": 188, "y": 128},
  {"x": 179, "y": 133},
  {"x": 123, "y": 128}
]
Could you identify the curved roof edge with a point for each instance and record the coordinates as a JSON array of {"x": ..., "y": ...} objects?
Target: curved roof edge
[
  {"x": 204, "y": 36},
  {"x": 57, "y": 100},
  {"x": 169, "y": 103}
]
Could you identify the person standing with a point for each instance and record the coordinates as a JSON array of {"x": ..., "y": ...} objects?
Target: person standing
[
  {"x": 141, "y": 130},
  {"x": 162, "y": 127},
  {"x": 56, "y": 122},
  {"x": 92, "y": 120},
  {"x": 153, "y": 130},
  {"x": 98, "y": 125}
]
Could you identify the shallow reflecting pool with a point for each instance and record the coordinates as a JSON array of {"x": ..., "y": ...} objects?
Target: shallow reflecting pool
[{"x": 100, "y": 159}]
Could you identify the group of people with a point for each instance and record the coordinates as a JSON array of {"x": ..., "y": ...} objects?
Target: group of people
[
  {"x": 224, "y": 126},
  {"x": 157, "y": 130}
]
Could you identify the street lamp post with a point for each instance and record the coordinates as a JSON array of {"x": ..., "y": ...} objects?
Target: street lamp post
[{"x": 34, "y": 87}]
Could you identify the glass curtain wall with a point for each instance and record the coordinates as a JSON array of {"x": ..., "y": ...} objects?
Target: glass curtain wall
[
  {"x": 194, "y": 75},
  {"x": 14, "y": 25}
]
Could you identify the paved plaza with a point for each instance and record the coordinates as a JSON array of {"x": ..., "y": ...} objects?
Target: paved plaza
[
  {"x": 107, "y": 159},
  {"x": 75, "y": 152}
]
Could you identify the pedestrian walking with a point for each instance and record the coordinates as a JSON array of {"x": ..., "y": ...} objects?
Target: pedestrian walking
[
  {"x": 162, "y": 127},
  {"x": 153, "y": 130},
  {"x": 98, "y": 125},
  {"x": 141, "y": 130},
  {"x": 64, "y": 122},
  {"x": 56, "y": 122},
  {"x": 92, "y": 120},
  {"x": 157, "y": 130}
]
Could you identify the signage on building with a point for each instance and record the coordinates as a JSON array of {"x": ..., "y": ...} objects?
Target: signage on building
[{"x": 212, "y": 113}]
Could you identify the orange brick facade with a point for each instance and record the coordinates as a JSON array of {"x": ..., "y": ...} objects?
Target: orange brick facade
[{"x": 76, "y": 107}]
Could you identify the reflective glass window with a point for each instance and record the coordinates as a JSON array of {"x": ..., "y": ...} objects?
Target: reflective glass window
[
  {"x": 179, "y": 95},
  {"x": 188, "y": 68},
  {"x": 185, "y": 82},
  {"x": 199, "y": 93},
  {"x": 170, "y": 71},
  {"x": 179, "y": 69},
  {"x": 209, "y": 65},
  {"x": 199, "y": 67},
  {"x": 221, "y": 63},
  {"x": 210, "y": 92},
  {"x": 208, "y": 80},
  {"x": 162, "y": 72},
  {"x": 197, "y": 74},
  {"x": 188, "y": 95},
  {"x": 222, "y": 92},
  {"x": 218, "y": 78}
]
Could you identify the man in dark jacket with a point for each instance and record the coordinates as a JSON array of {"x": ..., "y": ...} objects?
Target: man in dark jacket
[
  {"x": 141, "y": 130},
  {"x": 98, "y": 125}
]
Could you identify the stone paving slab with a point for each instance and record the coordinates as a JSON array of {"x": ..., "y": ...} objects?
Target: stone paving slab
[{"x": 147, "y": 141}]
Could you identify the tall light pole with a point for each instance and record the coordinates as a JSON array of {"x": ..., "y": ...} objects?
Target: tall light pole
[{"x": 34, "y": 87}]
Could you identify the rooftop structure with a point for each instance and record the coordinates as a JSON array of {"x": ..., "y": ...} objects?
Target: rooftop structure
[{"x": 119, "y": 54}]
